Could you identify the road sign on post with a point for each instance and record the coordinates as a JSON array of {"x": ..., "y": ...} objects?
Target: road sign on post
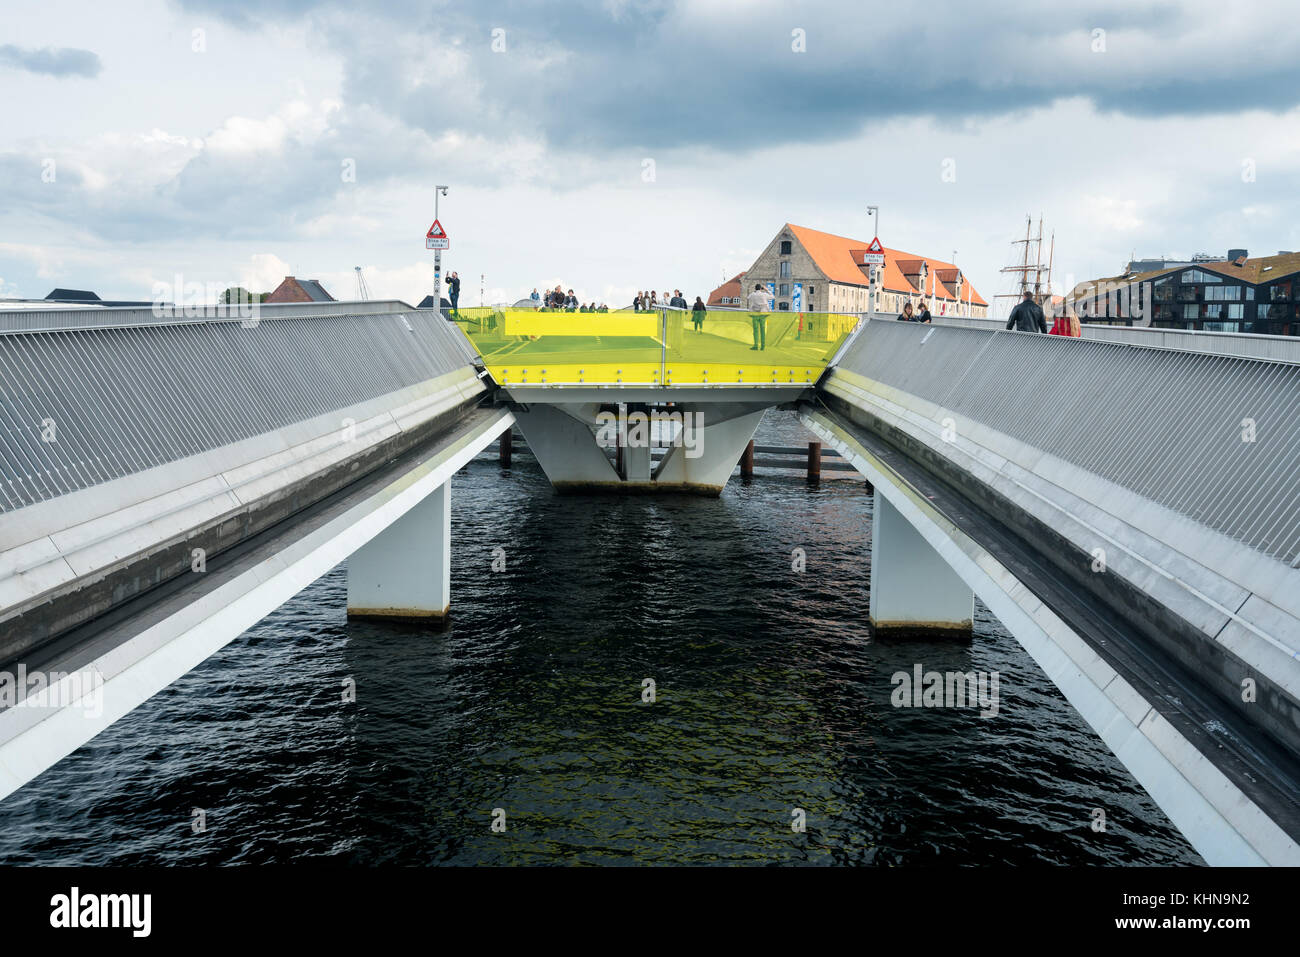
[
  {"x": 436, "y": 238},
  {"x": 874, "y": 258}
]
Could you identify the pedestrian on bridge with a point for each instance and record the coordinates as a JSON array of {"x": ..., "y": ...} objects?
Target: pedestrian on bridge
[
  {"x": 925, "y": 313},
  {"x": 1067, "y": 324},
  {"x": 758, "y": 308},
  {"x": 906, "y": 315},
  {"x": 697, "y": 314},
  {"x": 453, "y": 292},
  {"x": 1027, "y": 316}
]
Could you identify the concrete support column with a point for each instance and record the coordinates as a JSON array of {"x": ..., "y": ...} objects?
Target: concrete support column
[
  {"x": 565, "y": 446},
  {"x": 636, "y": 463},
  {"x": 913, "y": 590},
  {"x": 405, "y": 571},
  {"x": 711, "y": 463}
]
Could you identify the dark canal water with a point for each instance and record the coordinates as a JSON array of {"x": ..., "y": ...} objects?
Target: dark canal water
[{"x": 771, "y": 695}]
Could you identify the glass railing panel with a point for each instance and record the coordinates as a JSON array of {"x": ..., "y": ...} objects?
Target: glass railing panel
[
  {"x": 721, "y": 347},
  {"x": 535, "y": 347},
  {"x": 664, "y": 347}
]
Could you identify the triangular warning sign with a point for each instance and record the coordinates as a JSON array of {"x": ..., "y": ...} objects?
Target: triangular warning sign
[
  {"x": 436, "y": 231},
  {"x": 875, "y": 246}
]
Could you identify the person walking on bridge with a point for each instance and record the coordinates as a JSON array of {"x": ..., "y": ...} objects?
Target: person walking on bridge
[
  {"x": 1067, "y": 324},
  {"x": 1027, "y": 316},
  {"x": 697, "y": 314},
  {"x": 758, "y": 308},
  {"x": 906, "y": 314}
]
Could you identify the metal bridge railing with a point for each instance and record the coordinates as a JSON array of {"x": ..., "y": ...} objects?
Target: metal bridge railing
[
  {"x": 45, "y": 319},
  {"x": 1214, "y": 437},
  {"x": 83, "y": 406},
  {"x": 1250, "y": 345}
]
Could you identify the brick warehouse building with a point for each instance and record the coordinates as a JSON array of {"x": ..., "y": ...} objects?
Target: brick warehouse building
[
  {"x": 811, "y": 271},
  {"x": 1260, "y": 295},
  {"x": 293, "y": 289}
]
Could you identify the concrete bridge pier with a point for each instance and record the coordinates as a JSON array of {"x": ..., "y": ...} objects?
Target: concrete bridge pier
[
  {"x": 564, "y": 439},
  {"x": 914, "y": 591},
  {"x": 404, "y": 572}
]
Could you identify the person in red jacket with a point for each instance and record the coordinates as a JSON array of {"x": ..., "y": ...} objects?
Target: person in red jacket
[{"x": 1067, "y": 324}]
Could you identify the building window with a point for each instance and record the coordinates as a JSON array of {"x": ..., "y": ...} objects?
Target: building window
[
  {"x": 1222, "y": 293},
  {"x": 1221, "y": 327},
  {"x": 783, "y": 289},
  {"x": 1250, "y": 293},
  {"x": 785, "y": 270},
  {"x": 811, "y": 290},
  {"x": 783, "y": 307},
  {"x": 1200, "y": 275},
  {"x": 1191, "y": 311},
  {"x": 785, "y": 247}
]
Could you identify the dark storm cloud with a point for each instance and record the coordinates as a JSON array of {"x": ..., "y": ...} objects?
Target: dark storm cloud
[
  {"x": 663, "y": 75},
  {"x": 51, "y": 61}
]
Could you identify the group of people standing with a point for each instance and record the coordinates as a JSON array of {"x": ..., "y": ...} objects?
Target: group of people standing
[
  {"x": 911, "y": 315},
  {"x": 558, "y": 300},
  {"x": 645, "y": 301}
]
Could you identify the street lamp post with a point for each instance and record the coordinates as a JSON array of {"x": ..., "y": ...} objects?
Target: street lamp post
[{"x": 437, "y": 255}]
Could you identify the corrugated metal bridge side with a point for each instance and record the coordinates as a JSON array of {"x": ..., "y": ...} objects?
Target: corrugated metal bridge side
[
  {"x": 129, "y": 439},
  {"x": 1214, "y": 437},
  {"x": 89, "y": 398}
]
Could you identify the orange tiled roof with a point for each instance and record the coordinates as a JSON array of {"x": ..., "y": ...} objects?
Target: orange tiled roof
[
  {"x": 835, "y": 256},
  {"x": 730, "y": 289}
]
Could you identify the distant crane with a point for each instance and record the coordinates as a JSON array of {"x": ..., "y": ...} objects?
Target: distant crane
[{"x": 363, "y": 291}]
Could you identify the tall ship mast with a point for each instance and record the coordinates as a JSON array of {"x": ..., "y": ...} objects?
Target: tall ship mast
[{"x": 1032, "y": 274}]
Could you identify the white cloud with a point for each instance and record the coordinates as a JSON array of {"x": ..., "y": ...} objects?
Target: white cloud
[
  {"x": 263, "y": 272},
  {"x": 246, "y": 182}
]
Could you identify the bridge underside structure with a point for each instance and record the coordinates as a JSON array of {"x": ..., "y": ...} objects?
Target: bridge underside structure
[
  {"x": 168, "y": 482},
  {"x": 1105, "y": 503}
]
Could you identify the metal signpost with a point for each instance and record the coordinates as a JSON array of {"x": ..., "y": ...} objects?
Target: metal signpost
[
  {"x": 436, "y": 239},
  {"x": 874, "y": 257}
]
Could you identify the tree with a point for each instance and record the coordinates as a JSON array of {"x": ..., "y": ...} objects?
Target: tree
[{"x": 238, "y": 294}]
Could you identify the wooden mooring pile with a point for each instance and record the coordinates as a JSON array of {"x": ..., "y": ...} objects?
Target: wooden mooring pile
[{"x": 812, "y": 459}]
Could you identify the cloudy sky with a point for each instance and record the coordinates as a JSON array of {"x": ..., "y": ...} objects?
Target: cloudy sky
[{"x": 612, "y": 145}]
